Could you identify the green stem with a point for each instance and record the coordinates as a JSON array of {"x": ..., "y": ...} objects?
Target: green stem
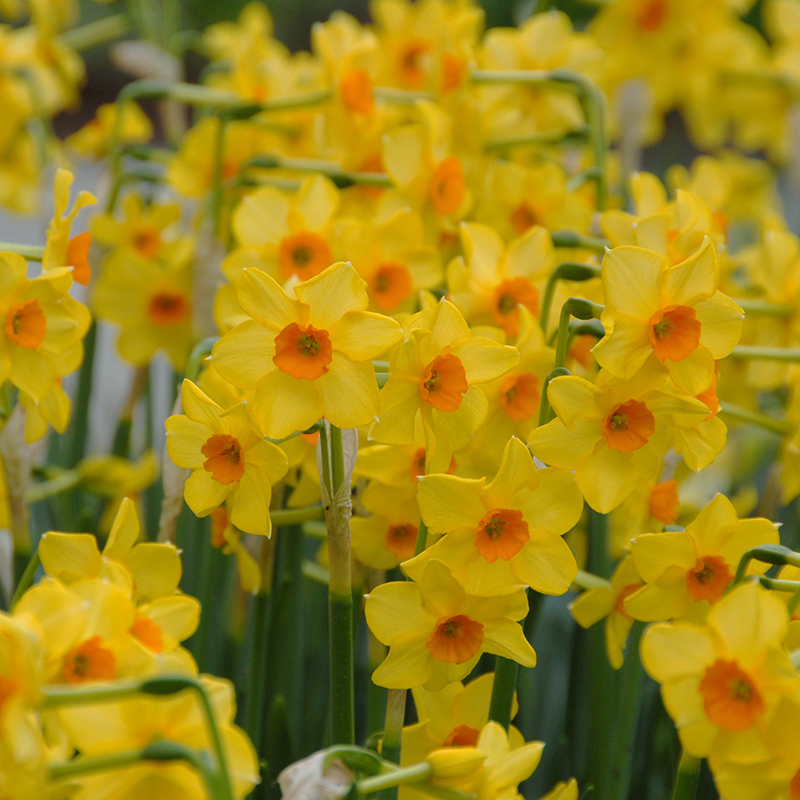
[
  {"x": 394, "y": 778},
  {"x": 295, "y": 516},
  {"x": 393, "y": 730},
  {"x": 624, "y": 731},
  {"x": 790, "y": 354},
  {"x": 793, "y": 603},
  {"x": 585, "y": 580},
  {"x": 687, "y": 778},
  {"x": 341, "y": 177},
  {"x": 545, "y": 411},
  {"x": 779, "y": 426},
  {"x": 765, "y": 307},
  {"x": 66, "y": 480},
  {"x": 89, "y": 765},
  {"x": 30, "y": 252},
  {"x": 340, "y": 597},
  {"x": 79, "y": 425},
  {"x": 569, "y": 136},
  {"x": 26, "y": 580},
  {"x": 198, "y": 356},
  {"x": 568, "y": 271},
  {"x": 422, "y": 538},
  {"x": 100, "y": 31},
  {"x": 573, "y": 239},
  {"x": 768, "y": 553},
  {"x": 777, "y": 585},
  {"x": 503, "y": 689},
  {"x": 574, "y": 307}
]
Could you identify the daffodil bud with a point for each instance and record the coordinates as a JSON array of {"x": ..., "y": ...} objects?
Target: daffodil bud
[{"x": 455, "y": 766}]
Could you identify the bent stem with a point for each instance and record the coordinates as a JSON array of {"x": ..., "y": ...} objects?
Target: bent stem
[
  {"x": 779, "y": 426},
  {"x": 394, "y": 778},
  {"x": 574, "y": 307},
  {"x": 392, "y": 735},
  {"x": 340, "y": 597},
  {"x": 26, "y": 580}
]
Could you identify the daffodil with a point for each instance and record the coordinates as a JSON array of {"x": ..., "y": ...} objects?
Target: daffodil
[
  {"x": 609, "y": 602},
  {"x": 675, "y": 316},
  {"x": 686, "y": 571},
  {"x": 148, "y": 231},
  {"x": 613, "y": 435},
  {"x": 308, "y": 356},
  {"x": 151, "y": 304},
  {"x": 721, "y": 682},
  {"x": 40, "y": 322},
  {"x": 436, "y": 632},
  {"x": 496, "y": 280},
  {"x": 131, "y": 724},
  {"x": 435, "y": 374},
  {"x": 229, "y": 459},
  {"x": 286, "y": 237},
  {"x": 61, "y": 250},
  {"x": 226, "y": 537},
  {"x": 93, "y": 140},
  {"x": 505, "y": 533},
  {"x": 649, "y": 508},
  {"x": 452, "y": 717},
  {"x": 150, "y": 569}
]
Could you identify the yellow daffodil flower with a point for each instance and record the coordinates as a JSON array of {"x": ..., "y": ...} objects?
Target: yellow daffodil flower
[
  {"x": 505, "y": 533},
  {"x": 93, "y": 140},
  {"x": 40, "y": 322},
  {"x": 61, "y": 250},
  {"x": 308, "y": 356},
  {"x": 151, "y": 304},
  {"x": 609, "y": 602},
  {"x": 613, "y": 435},
  {"x": 496, "y": 280},
  {"x": 672, "y": 315},
  {"x": 229, "y": 460},
  {"x": 150, "y": 569},
  {"x": 436, "y": 632},
  {"x": 434, "y": 374},
  {"x": 99, "y": 730},
  {"x": 685, "y": 572},
  {"x": 721, "y": 683}
]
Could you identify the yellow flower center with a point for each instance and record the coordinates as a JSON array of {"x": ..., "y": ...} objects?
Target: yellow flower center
[
  {"x": 651, "y": 14},
  {"x": 303, "y": 352},
  {"x": 455, "y": 640},
  {"x": 730, "y": 696},
  {"x": 453, "y": 71},
  {"x": 709, "y": 579},
  {"x": 628, "y": 426},
  {"x": 410, "y": 62},
  {"x": 90, "y": 661},
  {"x": 223, "y": 458},
  {"x": 501, "y": 533},
  {"x": 304, "y": 254},
  {"x": 523, "y": 217},
  {"x": 147, "y": 240},
  {"x": 26, "y": 324},
  {"x": 444, "y": 383},
  {"x": 674, "y": 333}
]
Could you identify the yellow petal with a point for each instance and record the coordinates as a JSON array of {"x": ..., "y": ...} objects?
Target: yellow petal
[
  {"x": 70, "y": 556},
  {"x": 632, "y": 280},
  {"x": 363, "y": 335},
  {"x": 156, "y": 569},
  {"x": 507, "y": 639},
  {"x": 348, "y": 392},
  {"x": 244, "y": 355},
  {"x": 331, "y": 294},
  {"x": 284, "y": 404}
]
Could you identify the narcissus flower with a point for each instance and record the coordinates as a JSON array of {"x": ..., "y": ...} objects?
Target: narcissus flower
[
  {"x": 93, "y": 140},
  {"x": 609, "y": 602},
  {"x": 308, "y": 356},
  {"x": 434, "y": 374},
  {"x": 151, "y": 303},
  {"x": 506, "y": 533},
  {"x": 61, "y": 250},
  {"x": 287, "y": 237},
  {"x": 672, "y": 315},
  {"x": 686, "y": 571},
  {"x": 612, "y": 434},
  {"x": 496, "y": 280},
  {"x": 436, "y": 632},
  {"x": 40, "y": 322},
  {"x": 453, "y": 716},
  {"x": 229, "y": 458},
  {"x": 722, "y": 682},
  {"x": 150, "y": 569},
  {"x": 99, "y": 730}
]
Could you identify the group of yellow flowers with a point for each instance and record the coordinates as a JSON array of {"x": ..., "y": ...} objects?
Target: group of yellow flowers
[{"x": 407, "y": 287}]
